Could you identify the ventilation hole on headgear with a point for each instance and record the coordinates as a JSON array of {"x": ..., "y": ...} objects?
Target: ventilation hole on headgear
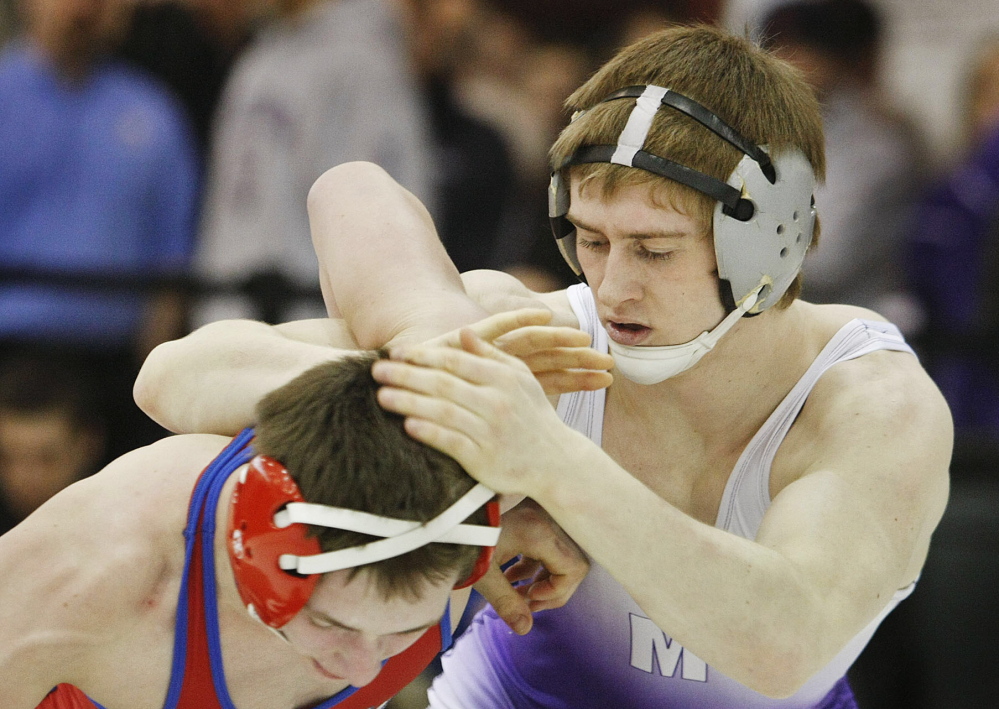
[
  {"x": 783, "y": 252},
  {"x": 798, "y": 238},
  {"x": 795, "y": 215},
  {"x": 780, "y": 228}
]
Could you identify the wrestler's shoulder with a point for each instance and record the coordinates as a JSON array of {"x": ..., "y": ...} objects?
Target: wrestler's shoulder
[
  {"x": 160, "y": 471},
  {"x": 881, "y": 388},
  {"x": 860, "y": 376},
  {"x": 137, "y": 505}
]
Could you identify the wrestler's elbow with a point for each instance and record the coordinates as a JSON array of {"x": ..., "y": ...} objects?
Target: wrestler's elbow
[
  {"x": 152, "y": 388},
  {"x": 346, "y": 179}
]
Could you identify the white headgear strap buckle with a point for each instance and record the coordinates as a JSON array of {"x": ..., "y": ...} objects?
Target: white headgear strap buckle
[{"x": 398, "y": 536}]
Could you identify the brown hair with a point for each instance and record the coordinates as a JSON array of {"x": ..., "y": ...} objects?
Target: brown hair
[
  {"x": 344, "y": 450},
  {"x": 760, "y": 96}
]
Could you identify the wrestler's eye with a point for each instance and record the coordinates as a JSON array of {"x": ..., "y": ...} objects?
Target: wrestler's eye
[
  {"x": 650, "y": 255},
  {"x": 592, "y": 244},
  {"x": 319, "y": 622}
]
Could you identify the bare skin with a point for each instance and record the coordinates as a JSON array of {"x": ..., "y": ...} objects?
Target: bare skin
[
  {"x": 210, "y": 380},
  {"x": 91, "y": 596},
  {"x": 857, "y": 486}
]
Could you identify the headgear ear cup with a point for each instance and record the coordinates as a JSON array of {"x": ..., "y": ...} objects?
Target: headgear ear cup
[
  {"x": 256, "y": 542},
  {"x": 486, "y": 555}
]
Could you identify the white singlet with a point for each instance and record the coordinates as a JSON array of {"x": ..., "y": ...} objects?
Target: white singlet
[{"x": 600, "y": 650}]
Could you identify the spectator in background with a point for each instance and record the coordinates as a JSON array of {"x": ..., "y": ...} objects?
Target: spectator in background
[
  {"x": 328, "y": 81},
  {"x": 52, "y": 433},
  {"x": 491, "y": 84},
  {"x": 552, "y": 71},
  {"x": 517, "y": 83},
  {"x": 954, "y": 260},
  {"x": 191, "y": 45},
  {"x": 475, "y": 175},
  {"x": 874, "y": 159},
  {"x": 98, "y": 178},
  {"x": 6, "y": 21}
]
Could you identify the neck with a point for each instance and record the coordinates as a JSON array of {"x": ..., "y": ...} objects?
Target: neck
[{"x": 733, "y": 387}]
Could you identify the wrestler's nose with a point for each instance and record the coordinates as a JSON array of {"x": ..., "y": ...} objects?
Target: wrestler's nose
[
  {"x": 615, "y": 279},
  {"x": 359, "y": 662}
]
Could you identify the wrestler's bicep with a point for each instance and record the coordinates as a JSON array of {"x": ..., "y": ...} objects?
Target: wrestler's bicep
[{"x": 328, "y": 332}]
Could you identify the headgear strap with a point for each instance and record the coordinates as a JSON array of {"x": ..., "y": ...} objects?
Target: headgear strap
[{"x": 399, "y": 536}]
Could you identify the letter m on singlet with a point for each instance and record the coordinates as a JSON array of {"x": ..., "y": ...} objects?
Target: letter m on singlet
[{"x": 649, "y": 645}]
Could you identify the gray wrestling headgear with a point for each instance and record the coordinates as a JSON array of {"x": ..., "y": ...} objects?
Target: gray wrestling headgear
[{"x": 765, "y": 216}]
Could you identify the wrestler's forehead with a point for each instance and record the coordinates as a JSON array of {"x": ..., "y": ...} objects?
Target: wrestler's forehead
[
  {"x": 358, "y": 603},
  {"x": 631, "y": 209}
]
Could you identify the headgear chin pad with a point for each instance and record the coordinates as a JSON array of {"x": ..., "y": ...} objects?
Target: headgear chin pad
[{"x": 256, "y": 542}]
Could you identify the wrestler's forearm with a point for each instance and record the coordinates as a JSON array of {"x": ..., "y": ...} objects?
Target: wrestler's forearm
[
  {"x": 211, "y": 380},
  {"x": 382, "y": 265}
]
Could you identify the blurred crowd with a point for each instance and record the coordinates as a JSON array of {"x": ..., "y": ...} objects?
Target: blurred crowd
[
  {"x": 156, "y": 157},
  {"x": 158, "y": 153}
]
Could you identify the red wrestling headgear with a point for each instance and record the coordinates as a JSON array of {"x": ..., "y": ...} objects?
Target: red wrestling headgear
[{"x": 277, "y": 564}]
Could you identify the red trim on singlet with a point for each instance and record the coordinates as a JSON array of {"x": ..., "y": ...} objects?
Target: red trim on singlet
[
  {"x": 66, "y": 696},
  {"x": 397, "y": 672},
  {"x": 198, "y": 689}
]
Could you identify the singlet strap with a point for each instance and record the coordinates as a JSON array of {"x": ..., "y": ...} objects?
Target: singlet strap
[
  {"x": 584, "y": 410},
  {"x": 197, "y": 670},
  {"x": 747, "y": 493}
]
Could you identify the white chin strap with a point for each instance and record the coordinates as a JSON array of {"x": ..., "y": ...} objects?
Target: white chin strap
[
  {"x": 399, "y": 536},
  {"x": 651, "y": 365}
]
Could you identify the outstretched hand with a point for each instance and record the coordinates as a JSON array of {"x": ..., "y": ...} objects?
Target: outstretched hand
[
  {"x": 548, "y": 572},
  {"x": 559, "y": 357}
]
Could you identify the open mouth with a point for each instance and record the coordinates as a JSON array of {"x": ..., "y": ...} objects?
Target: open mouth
[{"x": 625, "y": 333}]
